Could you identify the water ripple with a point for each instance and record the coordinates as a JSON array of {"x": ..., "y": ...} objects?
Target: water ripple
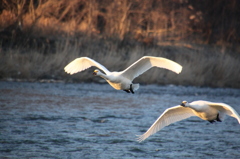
[{"x": 57, "y": 120}]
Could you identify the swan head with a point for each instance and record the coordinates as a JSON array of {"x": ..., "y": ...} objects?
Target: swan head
[
  {"x": 96, "y": 72},
  {"x": 184, "y": 104}
]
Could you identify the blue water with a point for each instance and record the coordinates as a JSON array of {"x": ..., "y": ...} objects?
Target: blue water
[{"x": 58, "y": 120}]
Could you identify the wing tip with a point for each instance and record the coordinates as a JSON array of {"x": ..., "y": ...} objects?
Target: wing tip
[
  {"x": 179, "y": 69},
  {"x": 140, "y": 138},
  {"x": 67, "y": 70}
]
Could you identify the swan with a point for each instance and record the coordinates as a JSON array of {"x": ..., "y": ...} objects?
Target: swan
[
  {"x": 203, "y": 109},
  {"x": 123, "y": 80}
]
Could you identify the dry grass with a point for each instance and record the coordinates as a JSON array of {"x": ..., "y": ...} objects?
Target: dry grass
[
  {"x": 146, "y": 21},
  {"x": 202, "y": 66},
  {"x": 210, "y": 69}
]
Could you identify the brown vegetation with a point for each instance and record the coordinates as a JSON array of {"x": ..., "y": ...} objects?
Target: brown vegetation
[
  {"x": 38, "y": 38},
  {"x": 198, "y": 21}
]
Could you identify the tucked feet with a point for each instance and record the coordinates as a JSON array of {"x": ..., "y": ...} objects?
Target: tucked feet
[
  {"x": 218, "y": 119},
  {"x": 211, "y": 121},
  {"x": 131, "y": 89},
  {"x": 128, "y": 91}
]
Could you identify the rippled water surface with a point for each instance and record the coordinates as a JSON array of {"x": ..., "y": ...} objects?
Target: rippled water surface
[{"x": 58, "y": 120}]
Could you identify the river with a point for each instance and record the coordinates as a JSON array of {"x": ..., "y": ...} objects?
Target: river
[{"x": 88, "y": 120}]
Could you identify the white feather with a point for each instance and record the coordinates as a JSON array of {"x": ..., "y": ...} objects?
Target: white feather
[
  {"x": 203, "y": 109},
  {"x": 226, "y": 109},
  {"x": 147, "y": 62},
  {"x": 122, "y": 80},
  {"x": 169, "y": 116},
  {"x": 83, "y": 63}
]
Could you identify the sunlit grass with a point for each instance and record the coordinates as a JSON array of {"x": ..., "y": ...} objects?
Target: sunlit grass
[{"x": 201, "y": 67}]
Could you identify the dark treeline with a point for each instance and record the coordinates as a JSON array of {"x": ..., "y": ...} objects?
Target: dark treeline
[{"x": 148, "y": 22}]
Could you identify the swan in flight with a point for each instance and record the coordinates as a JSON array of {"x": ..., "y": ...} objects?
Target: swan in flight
[
  {"x": 205, "y": 110},
  {"x": 123, "y": 80}
]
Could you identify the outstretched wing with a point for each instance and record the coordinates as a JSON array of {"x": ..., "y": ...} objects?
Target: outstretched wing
[
  {"x": 147, "y": 62},
  {"x": 226, "y": 109},
  {"x": 82, "y": 63},
  {"x": 170, "y": 115}
]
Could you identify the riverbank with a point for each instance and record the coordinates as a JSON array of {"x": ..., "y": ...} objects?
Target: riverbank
[{"x": 203, "y": 65}]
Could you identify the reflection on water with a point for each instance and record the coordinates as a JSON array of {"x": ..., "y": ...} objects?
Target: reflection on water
[{"x": 57, "y": 120}]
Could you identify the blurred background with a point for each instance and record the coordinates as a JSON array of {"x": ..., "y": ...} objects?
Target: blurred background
[
  {"x": 39, "y": 37},
  {"x": 76, "y": 116}
]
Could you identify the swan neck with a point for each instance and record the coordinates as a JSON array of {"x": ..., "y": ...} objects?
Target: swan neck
[
  {"x": 103, "y": 75},
  {"x": 195, "y": 107}
]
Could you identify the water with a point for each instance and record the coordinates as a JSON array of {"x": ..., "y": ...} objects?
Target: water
[{"x": 58, "y": 120}]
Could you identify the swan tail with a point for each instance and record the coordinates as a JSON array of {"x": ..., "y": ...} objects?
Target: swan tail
[{"x": 135, "y": 87}]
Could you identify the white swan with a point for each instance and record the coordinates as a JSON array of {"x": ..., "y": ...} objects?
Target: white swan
[
  {"x": 203, "y": 109},
  {"x": 123, "y": 80}
]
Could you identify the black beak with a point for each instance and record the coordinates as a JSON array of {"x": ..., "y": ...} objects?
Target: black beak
[{"x": 183, "y": 105}]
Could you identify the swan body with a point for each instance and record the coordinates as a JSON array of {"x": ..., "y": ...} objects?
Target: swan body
[
  {"x": 203, "y": 109},
  {"x": 123, "y": 80}
]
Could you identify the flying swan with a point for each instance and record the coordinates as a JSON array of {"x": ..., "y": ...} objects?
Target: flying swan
[
  {"x": 203, "y": 109},
  {"x": 123, "y": 80}
]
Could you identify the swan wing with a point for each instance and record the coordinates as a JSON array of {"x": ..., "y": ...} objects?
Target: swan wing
[
  {"x": 169, "y": 116},
  {"x": 82, "y": 63},
  {"x": 226, "y": 109},
  {"x": 147, "y": 62}
]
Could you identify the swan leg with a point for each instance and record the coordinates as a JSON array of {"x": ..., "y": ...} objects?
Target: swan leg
[
  {"x": 218, "y": 119},
  {"x": 211, "y": 121},
  {"x": 128, "y": 91},
  {"x": 131, "y": 89}
]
